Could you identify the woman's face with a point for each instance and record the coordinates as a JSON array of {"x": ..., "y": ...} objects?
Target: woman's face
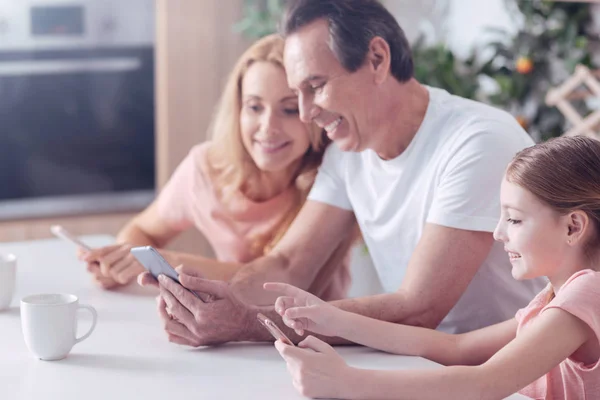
[{"x": 271, "y": 129}]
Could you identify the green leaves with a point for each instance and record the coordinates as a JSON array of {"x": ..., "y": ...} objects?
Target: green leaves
[
  {"x": 260, "y": 18},
  {"x": 437, "y": 66}
]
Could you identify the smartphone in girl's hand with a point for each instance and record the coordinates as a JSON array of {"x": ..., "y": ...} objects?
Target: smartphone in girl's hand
[{"x": 273, "y": 329}]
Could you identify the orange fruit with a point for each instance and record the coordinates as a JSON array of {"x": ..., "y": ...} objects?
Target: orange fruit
[
  {"x": 524, "y": 65},
  {"x": 522, "y": 121}
]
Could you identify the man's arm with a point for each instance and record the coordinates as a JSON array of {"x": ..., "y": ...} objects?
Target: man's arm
[
  {"x": 439, "y": 271},
  {"x": 316, "y": 232},
  {"x": 297, "y": 259}
]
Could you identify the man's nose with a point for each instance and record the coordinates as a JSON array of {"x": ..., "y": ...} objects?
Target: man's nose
[{"x": 308, "y": 109}]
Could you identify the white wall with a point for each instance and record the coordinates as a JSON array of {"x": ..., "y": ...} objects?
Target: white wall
[
  {"x": 468, "y": 19},
  {"x": 459, "y": 23},
  {"x": 108, "y": 23}
]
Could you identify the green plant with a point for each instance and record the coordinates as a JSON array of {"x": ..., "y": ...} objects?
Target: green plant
[
  {"x": 437, "y": 66},
  {"x": 554, "y": 37},
  {"x": 260, "y": 18}
]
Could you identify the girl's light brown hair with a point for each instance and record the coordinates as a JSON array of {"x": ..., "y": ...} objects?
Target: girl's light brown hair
[
  {"x": 231, "y": 166},
  {"x": 564, "y": 173}
]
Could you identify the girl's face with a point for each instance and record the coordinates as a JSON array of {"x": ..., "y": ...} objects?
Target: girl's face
[
  {"x": 534, "y": 235},
  {"x": 272, "y": 132}
]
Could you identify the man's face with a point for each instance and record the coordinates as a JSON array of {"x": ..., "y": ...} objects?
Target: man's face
[{"x": 335, "y": 99}]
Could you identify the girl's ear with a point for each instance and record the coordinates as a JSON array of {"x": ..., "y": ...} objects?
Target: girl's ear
[{"x": 578, "y": 223}]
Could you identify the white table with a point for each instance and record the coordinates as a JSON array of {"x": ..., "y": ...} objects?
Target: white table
[{"x": 128, "y": 355}]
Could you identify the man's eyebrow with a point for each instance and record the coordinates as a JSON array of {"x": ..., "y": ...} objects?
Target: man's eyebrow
[{"x": 312, "y": 78}]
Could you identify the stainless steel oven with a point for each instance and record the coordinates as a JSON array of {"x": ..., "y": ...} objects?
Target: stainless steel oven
[{"x": 76, "y": 106}]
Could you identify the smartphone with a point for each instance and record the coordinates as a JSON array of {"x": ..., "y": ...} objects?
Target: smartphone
[
  {"x": 151, "y": 259},
  {"x": 273, "y": 329},
  {"x": 62, "y": 233}
]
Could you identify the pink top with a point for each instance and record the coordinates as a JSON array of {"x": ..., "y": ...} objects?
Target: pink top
[
  {"x": 570, "y": 380},
  {"x": 190, "y": 200}
]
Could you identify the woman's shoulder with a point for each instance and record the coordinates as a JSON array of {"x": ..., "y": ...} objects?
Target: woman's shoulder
[
  {"x": 199, "y": 153},
  {"x": 198, "y": 158},
  {"x": 193, "y": 171}
]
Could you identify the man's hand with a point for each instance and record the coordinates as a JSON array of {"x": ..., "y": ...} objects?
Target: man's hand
[{"x": 190, "y": 321}]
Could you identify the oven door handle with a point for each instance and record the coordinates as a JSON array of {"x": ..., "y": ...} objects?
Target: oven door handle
[{"x": 68, "y": 66}]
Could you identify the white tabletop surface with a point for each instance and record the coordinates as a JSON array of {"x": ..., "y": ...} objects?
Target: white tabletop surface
[{"x": 128, "y": 356}]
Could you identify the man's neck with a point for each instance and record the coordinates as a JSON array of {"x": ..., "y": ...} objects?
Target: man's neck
[{"x": 401, "y": 119}]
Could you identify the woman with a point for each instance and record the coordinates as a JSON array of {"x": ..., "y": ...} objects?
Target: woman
[{"x": 241, "y": 190}]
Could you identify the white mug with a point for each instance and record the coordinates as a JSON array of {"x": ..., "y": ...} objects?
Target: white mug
[
  {"x": 8, "y": 278},
  {"x": 49, "y": 323}
]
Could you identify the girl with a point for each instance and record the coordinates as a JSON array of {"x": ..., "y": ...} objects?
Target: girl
[
  {"x": 550, "y": 226},
  {"x": 241, "y": 190}
]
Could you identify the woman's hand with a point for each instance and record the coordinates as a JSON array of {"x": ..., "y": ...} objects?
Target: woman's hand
[
  {"x": 112, "y": 265},
  {"x": 303, "y": 311}
]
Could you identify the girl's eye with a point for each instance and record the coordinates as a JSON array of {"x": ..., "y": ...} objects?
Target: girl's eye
[{"x": 513, "y": 221}]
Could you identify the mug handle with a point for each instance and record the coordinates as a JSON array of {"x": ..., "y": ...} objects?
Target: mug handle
[{"x": 92, "y": 310}]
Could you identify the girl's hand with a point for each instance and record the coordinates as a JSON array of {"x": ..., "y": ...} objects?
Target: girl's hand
[
  {"x": 317, "y": 369},
  {"x": 303, "y": 311}
]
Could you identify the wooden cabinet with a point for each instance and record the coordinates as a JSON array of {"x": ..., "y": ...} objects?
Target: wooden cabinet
[{"x": 195, "y": 49}]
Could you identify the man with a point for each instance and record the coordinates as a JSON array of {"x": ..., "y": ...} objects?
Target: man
[{"x": 420, "y": 169}]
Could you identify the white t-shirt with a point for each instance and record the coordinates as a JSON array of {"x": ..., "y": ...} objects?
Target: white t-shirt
[{"x": 449, "y": 175}]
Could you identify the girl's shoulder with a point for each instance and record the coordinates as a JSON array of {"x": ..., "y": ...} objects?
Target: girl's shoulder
[
  {"x": 583, "y": 278},
  {"x": 580, "y": 296}
]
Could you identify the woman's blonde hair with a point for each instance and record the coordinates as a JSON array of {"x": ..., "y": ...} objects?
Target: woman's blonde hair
[{"x": 231, "y": 167}]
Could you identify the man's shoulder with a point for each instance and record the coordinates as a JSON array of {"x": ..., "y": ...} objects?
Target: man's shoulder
[{"x": 465, "y": 120}]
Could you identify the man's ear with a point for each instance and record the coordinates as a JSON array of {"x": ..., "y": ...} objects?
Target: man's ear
[{"x": 379, "y": 58}]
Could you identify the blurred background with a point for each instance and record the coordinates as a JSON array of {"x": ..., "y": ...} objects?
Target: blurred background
[{"x": 101, "y": 99}]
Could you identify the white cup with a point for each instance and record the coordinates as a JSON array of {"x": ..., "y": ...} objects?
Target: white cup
[
  {"x": 8, "y": 278},
  {"x": 49, "y": 323}
]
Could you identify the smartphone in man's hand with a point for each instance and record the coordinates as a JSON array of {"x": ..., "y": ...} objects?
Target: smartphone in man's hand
[{"x": 151, "y": 259}]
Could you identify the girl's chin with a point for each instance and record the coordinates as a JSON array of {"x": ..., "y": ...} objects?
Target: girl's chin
[{"x": 518, "y": 273}]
